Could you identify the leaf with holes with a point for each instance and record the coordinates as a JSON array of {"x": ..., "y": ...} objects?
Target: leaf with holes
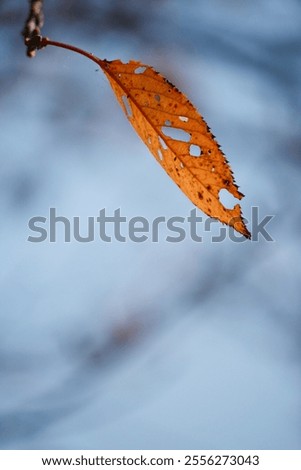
[
  {"x": 177, "y": 136},
  {"x": 175, "y": 133}
]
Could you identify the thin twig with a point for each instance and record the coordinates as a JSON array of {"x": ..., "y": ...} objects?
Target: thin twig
[{"x": 33, "y": 25}]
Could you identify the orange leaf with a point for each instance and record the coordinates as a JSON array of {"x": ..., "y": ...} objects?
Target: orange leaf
[{"x": 177, "y": 136}]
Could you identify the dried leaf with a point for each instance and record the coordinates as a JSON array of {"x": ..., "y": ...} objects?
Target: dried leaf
[{"x": 177, "y": 136}]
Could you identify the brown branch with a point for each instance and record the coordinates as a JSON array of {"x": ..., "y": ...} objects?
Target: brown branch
[{"x": 32, "y": 28}]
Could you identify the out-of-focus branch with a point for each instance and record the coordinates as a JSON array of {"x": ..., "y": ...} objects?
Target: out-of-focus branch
[{"x": 33, "y": 25}]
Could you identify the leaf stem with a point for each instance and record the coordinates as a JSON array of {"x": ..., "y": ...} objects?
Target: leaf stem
[{"x": 39, "y": 42}]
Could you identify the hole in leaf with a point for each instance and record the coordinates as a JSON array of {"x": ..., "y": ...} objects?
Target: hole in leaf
[
  {"x": 209, "y": 152},
  {"x": 213, "y": 169},
  {"x": 195, "y": 150},
  {"x": 157, "y": 98},
  {"x": 176, "y": 134},
  {"x": 167, "y": 122},
  {"x": 127, "y": 106},
  {"x": 181, "y": 165},
  {"x": 183, "y": 118},
  {"x": 140, "y": 69},
  {"x": 160, "y": 155},
  {"x": 162, "y": 143},
  {"x": 227, "y": 199}
]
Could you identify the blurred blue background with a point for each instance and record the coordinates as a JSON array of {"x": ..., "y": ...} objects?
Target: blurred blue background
[{"x": 152, "y": 345}]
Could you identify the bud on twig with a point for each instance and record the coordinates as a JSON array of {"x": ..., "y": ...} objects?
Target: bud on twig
[{"x": 32, "y": 28}]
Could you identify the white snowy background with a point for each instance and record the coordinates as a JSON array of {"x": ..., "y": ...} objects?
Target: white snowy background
[{"x": 149, "y": 345}]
